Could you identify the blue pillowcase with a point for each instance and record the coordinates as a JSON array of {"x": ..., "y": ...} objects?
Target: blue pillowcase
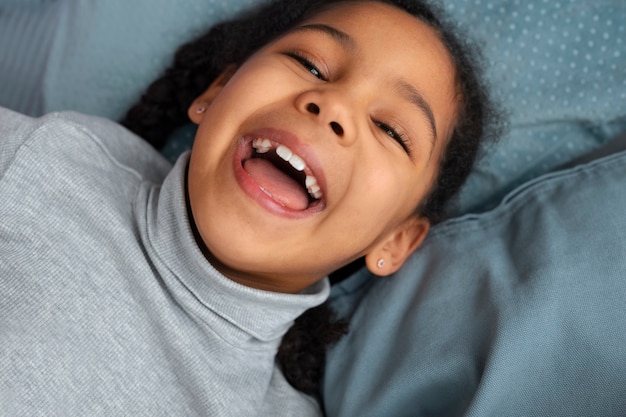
[
  {"x": 516, "y": 311},
  {"x": 558, "y": 68},
  {"x": 96, "y": 57}
]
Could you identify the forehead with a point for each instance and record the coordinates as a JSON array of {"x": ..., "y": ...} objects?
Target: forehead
[
  {"x": 389, "y": 43},
  {"x": 376, "y": 24},
  {"x": 374, "y": 15}
]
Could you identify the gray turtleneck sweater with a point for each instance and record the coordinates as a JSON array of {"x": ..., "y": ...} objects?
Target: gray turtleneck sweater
[{"x": 107, "y": 305}]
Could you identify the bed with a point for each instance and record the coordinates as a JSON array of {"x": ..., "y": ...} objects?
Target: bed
[{"x": 514, "y": 306}]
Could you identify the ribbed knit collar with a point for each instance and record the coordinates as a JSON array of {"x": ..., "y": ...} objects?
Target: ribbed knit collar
[{"x": 247, "y": 315}]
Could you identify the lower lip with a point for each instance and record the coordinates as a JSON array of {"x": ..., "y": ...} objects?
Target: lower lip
[{"x": 252, "y": 189}]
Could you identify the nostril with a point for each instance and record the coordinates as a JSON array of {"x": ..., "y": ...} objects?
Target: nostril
[
  {"x": 313, "y": 108},
  {"x": 337, "y": 128}
]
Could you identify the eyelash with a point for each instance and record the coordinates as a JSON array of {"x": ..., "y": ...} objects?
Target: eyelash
[
  {"x": 388, "y": 130},
  {"x": 394, "y": 134},
  {"x": 307, "y": 64}
]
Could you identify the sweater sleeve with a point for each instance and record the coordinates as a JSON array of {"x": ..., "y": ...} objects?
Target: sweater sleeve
[{"x": 121, "y": 145}]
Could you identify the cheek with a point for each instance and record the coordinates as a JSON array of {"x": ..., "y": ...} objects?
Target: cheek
[
  {"x": 381, "y": 200},
  {"x": 249, "y": 91},
  {"x": 388, "y": 176},
  {"x": 256, "y": 82},
  {"x": 392, "y": 193}
]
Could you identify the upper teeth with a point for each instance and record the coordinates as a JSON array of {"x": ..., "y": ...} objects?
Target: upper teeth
[
  {"x": 262, "y": 145},
  {"x": 265, "y": 145}
]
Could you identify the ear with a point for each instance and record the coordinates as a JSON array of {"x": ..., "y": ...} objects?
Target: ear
[
  {"x": 201, "y": 103},
  {"x": 391, "y": 252}
]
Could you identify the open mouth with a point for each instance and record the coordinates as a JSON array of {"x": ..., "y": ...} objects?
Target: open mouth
[{"x": 282, "y": 174}]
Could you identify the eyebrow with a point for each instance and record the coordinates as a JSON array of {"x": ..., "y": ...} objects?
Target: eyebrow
[
  {"x": 410, "y": 93},
  {"x": 405, "y": 89},
  {"x": 340, "y": 37}
]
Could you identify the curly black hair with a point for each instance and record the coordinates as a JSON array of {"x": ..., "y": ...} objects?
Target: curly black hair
[{"x": 164, "y": 105}]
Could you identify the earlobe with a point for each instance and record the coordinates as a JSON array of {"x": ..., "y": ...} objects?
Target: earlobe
[
  {"x": 201, "y": 104},
  {"x": 391, "y": 253}
]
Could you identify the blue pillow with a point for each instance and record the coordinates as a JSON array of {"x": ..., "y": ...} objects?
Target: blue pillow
[
  {"x": 516, "y": 311},
  {"x": 558, "y": 68},
  {"x": 95, "y": 57}
]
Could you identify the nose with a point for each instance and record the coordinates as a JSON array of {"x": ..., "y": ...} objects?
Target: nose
[
  {"x": 336, "y": 127},
  {"x": 331, "y": 110}
]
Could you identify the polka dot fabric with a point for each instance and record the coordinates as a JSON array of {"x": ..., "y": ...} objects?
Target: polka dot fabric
[{"x": 558, "y": 67}]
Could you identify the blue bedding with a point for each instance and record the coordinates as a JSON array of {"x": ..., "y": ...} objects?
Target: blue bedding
[
  {"x": 518, "y": 311},
  {"x": 516, "y": 305}
]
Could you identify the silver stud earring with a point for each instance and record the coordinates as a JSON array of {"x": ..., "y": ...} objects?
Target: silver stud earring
[
  {"x": 380, "y": 263},
  {"x": 200, "y": 109}
]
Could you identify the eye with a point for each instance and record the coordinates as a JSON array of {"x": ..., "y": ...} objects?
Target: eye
[
  {"x": 307, "y": 64},
  {"x": 394, "y": 134}
]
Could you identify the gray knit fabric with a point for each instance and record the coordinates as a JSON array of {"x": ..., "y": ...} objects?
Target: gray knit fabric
[{"x": 107, "y": 306}]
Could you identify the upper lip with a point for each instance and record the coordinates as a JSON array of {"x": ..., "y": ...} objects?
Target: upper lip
[{"x": 299, "y": 148}]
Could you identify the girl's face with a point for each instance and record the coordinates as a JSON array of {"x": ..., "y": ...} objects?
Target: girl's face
[{"x": 318, "y": 149}]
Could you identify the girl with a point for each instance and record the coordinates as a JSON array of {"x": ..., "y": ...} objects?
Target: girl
[{"x": 329, "y": 131}]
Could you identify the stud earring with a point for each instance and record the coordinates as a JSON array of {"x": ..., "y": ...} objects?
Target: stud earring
[
  {"x": 380, "y": 263},
  {"x": 200, "y": 109}
]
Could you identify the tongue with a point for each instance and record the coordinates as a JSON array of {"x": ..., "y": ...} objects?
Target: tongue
[{"x": 280, "y": 186}]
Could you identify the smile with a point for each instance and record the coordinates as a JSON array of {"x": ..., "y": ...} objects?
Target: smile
[
  {"x": 272, "y": 167},
  {"x": 265, "y": 146}
]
